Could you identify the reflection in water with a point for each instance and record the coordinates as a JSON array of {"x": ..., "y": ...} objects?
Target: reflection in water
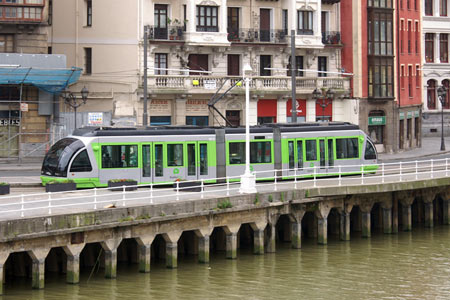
[{"x": 407, "y": 266}]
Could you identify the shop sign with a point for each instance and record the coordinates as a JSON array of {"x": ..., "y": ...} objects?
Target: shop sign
[
  {"x": 379, "y": 120},
  {"x": 409, "y": 115},
  {"x": 402, "y": 115},
  {"x": 95, "y": 118},
  {"x": 196, "y": 105},
  {"x": 157, "y": 105},
  {"x": 209, "y": 84},
  {"x": 23, "y": 106},
  {"x": 9, "y": 122},
  {"x": 416, "y": 113}
]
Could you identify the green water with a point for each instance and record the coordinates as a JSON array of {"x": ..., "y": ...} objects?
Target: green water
[{"x": 414, "y": 265}]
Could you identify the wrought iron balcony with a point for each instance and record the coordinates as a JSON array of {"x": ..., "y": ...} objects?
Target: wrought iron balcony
[
  {"x": 242, "y": 35},
  {"x": 171, "y": 33},
  {"x": 331, "y": 37}
]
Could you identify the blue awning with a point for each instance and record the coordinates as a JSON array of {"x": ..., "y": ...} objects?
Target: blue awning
[{"x": 50, "y": 80}]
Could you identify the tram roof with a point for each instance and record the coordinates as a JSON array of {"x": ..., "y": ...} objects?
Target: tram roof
[{"x": 199, "y": 130}]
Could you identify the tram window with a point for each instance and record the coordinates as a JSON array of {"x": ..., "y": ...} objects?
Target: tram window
[
  {"x": 203, "y": 159},
  {"x": 159, "y": 161},
  {"x": 370, "y": 152},
  {"x": 300, "y": 154},
  {"x": 347, "y": 148},
  {"x": 236, "y": 152},
  {"x": 174, "y": 155},
  {"x": 192, "y": 168},
  {"x": 119, "y": 156},
  {"x": 330, "y": 153},
  {"x": 81, "y": 163},
  {"x": 311, "y": 150},
  {"x": 146, "y": 161},
  {"x": 291, "y": 154},
  {"x": 260, "y": 152}
]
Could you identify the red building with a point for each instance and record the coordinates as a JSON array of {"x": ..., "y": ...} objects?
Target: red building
[{"x": 381, "y": 41}]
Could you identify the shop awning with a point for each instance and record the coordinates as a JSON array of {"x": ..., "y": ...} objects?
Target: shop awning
[{"x": 50, "y": 80}]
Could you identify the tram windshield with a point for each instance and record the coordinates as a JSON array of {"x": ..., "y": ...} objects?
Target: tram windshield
[
  {"x": 57, "y": 159},
  {"x": 370, "y": 152}
]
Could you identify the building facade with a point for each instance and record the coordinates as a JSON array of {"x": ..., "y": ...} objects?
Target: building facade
[
  {"x": 382, "y": 49},
  {"x": 215, "y": 37},
  {"x": 436, "y": 66}
]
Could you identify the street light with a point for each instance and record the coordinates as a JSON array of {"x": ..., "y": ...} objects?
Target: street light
[
  {"x": 248, "y": 180},
  {"x": 442, "y": 92},
  {"x": 318, "y": 95},
  {"x": 71, "y": 100}
]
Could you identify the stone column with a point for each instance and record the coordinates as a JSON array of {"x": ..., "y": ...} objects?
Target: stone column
[
  {"x": 203, "y": 249},
  {"x": 192, "y": 20},
  {"x": 179, "y": 111},
  {"x": 365, "y": 222},
  {"x": 232, "y": 245},
  {"x": 429, "y": 218},
  {"x": 171, "y": 255},
  {"x": 73, "y": 262},
  {"x": 145, "y": 251},
  {"x": 394, "y": 215},
  {"x": 223, "y": 11},
  {"x": 387, "y": 220},
  {"x": 258, "y": 241},
  {"x": 406, "y": 217},
  {"x": 344, "y": 226},
  {"x": 446, "y": 211},
  {"x": 322, "y": 230},
  {"x": 38, "y": 269},
  {"x": 271, "y": 245},
  {"x": 3, "y": 257},
  {"x": 296, "y": 240},
  {"x": 110, "y": 248}
]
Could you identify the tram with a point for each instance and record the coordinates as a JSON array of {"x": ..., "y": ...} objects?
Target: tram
[{"x": 163, "y": 154}]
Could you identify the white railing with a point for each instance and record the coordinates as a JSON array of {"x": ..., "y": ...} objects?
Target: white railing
[
  {"x": 39, "y": 204},
  {"x": 208, "y": 83}
]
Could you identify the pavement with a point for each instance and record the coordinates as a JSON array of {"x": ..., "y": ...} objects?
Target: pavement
[{"x": 25, "y": 173}]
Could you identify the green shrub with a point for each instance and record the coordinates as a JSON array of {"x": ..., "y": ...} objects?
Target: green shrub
[
  {"x": 224, "y": 204},
  {"x": 4, "y": 183},
  {"x": 121, "y": 180},
  {"x": 56, "y": 181}
]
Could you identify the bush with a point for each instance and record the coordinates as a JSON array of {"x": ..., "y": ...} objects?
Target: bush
[
  {"x": 56, "y": 181},
  {"x": 122, "y": 180}
]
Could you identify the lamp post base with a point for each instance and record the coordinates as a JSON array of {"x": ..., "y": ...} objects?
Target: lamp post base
[{"x": 248, "y": 184}]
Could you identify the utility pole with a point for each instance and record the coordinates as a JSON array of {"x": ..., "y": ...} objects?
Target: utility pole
[
  {"x": 293, "y": 75},
  {"x": 145, "y": 114}
]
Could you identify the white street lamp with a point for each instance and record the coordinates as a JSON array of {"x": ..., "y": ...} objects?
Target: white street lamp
[{"x": 248, "y": 180}]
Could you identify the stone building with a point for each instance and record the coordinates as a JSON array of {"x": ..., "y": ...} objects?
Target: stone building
[{"x": 436, "y": 66}]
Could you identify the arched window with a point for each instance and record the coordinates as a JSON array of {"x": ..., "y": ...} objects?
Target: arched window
[
  {"x": 431, "y": 94},
  {"x": 446, "y": 84}
]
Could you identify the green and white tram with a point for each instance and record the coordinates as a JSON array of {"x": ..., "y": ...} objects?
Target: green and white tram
[{"x": 92, "y": 156}]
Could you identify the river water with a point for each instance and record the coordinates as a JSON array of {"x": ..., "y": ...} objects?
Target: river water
[{"x": 408, "y": 265}]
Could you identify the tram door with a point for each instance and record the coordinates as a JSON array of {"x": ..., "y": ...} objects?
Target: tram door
[
  {"x": 296, "y": 157},
  {"x": 197, "y": 161},
  {"x": 326, "y": 155},
  {"x": 152, "y": 163}
]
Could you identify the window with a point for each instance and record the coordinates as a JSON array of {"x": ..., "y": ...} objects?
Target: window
[
  {"x": 207, "y": 18},
  {"x": 347, "y": 148},
  {"x": 402, "y": 75},
  {"x": 197, "y": 120},
  {"x": 300, "y": 154},
  {"x": 431, "y": 94},
  {"x": 401, "y": 4},
  {"x": 87, "y": 60},
  {"x": 311, "y": 150},
  {"x": 443, "y": 8},
  {"x": 159, "y": 161},
  {"x": 236, "y": 153},
  {"x": 233, "y": 24},
  {"x": 160, "y": 120},
  {"x": 380, "y": 77},
  {"x": 409, "y": 37},
  {"x": 443, "y": 47},
  {"x": 305, "y": 22},
  {"x": 408, "y": 4},
  {"x": 160, "y": 21},
  {"x": 160, "y": 62},
  {"x": 380, "y": 3},
  {"x": 284, "y": 21},
  {"x": 50, "y": 12},
  {"x": 233, "y": 61},
  {"x": 410, "y": 90},
  {"x": 81, "y": 163},
  {"x": 119, "y": 156},
  {"x": 88, "y": 13},
  {"x": 446, "y": 84},
  {"x": 291, "y": 154},
  {"x": 402, "y": 36},
  {"x": 370, "y": 152},
  {"x": 7, "y": 43},
  {"x": 260, "y": 152},
  {"x": 415, "y": 4},
  {"x": 174, "y": 155},
  {"x": 265, "y": 61},
  {"x": 417, "y": 76},
  {"x": 416, "y": 37},
  {"x": 428, "y": 7},
  {"x": 380, "y": 33},
  {"x": 429, "y": 47},
  {"x": 146, "y": 161},
  {"x": 203, "y": 159},
  {"x": 298, "y": 65},
  {"x": 322, "y": 66}
]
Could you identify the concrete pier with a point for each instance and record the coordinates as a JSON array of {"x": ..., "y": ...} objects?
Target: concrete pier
[
  {"x": 73, "y": 262},
  {"x": 344, "y": 226},
  {"x": 38, "y": 269},
  {"x": 203, "y": 249},
  {"x": 258, "y": 245},
  {"x": 429, "y": 215},
  {"x": 171, "y": 255},
  {"x": 446, "y": 211},
  {"x": 365, "y": 224},
  {"x": 232, "y": 245},
  {"x": 271, "y": 243},
  {"x": 322, "y": 231},
  {"x": 406, "y": 218},
  {"x": 387, "y": 220}
]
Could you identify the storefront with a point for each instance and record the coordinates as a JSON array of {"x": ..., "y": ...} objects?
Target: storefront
[
  {"x": 160, "y": 112},
  {"x": 197, "y": 112},
  {"x": 267, "y": 111},
  {"x": 377, "y": 124},
  {"x": 301, "y": 111},
  {"x": 324, "y": 110}
]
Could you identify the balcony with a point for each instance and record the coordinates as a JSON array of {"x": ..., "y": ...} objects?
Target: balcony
[
  {"x": 241, "y": 35},
  {"x": 21, "y": 14},
  {"x": 169, "y": 33},
  {"x": 165, "y": 84},
  {"x": 331, "y": 38}
]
